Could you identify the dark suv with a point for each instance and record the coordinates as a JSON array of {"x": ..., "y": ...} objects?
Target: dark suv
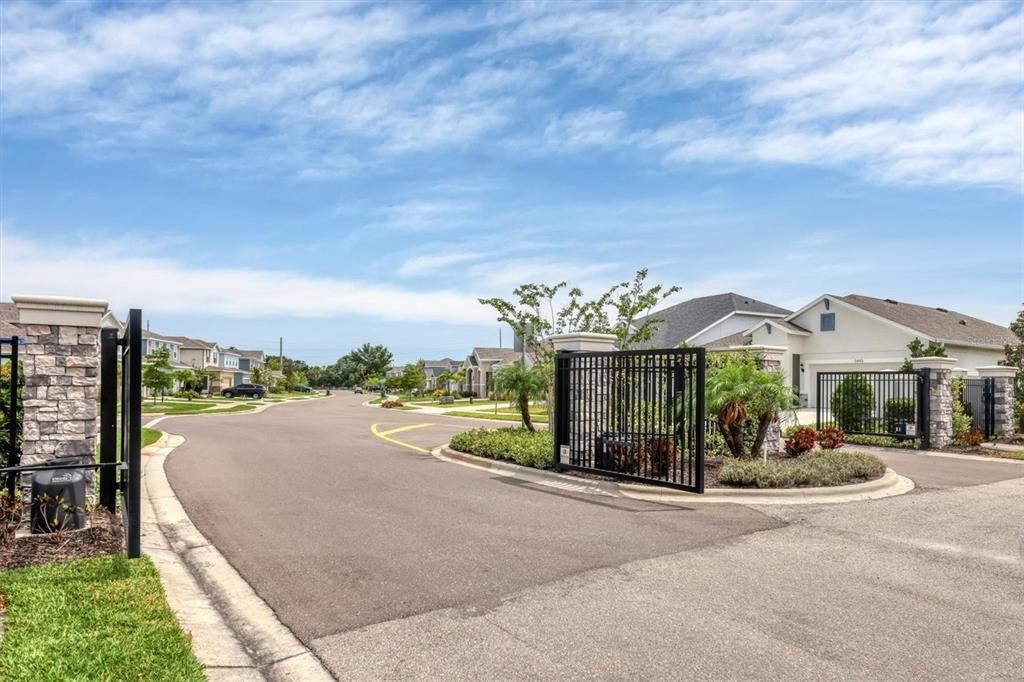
[{"x": 251, "y": 390}]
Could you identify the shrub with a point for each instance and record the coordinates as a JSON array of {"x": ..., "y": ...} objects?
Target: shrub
[
  {"x": 800, "y": 441},
  {"x": 812, "y": 469},
  {"x": 191, "y": 395},
  {"x": 830, "y": 438},
  {"x": 790, "y": 430},
  {"x": 973, "y": 438},
  {"x": 438, "y": 394},
  {"x": 528, "y": 448},
  {"x": 391, "y": 403},
  {"x": 899, "y": 411},
  {"x": 468, "y": 394},
  {"x": 853, "y": 401},
  {"x": 962, "y": 420},
  {"x": 878, "y": 441}
]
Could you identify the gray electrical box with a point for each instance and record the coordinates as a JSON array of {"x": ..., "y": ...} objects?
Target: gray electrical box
[{"x": 58, "y": 498}]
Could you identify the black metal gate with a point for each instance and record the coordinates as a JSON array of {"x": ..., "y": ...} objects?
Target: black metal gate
[
  {"x": 979, "y": 400},
  {"x": 632, "y": 414},
  {"x": 891, "y": 404},
  {"x": 121, "y": 456}
]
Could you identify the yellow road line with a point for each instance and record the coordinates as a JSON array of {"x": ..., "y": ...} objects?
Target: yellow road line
[{"x": 386, "y": 435}]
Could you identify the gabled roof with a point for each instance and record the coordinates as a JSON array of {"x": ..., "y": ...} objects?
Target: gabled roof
[
  {"x": 500, "y": 354},
  {"x": 187, "y": 342},
  {"x": 940, "y": 324},
  {"x": 689, "y": 318},
  {"x": 781, "y": 324},
  {"x": 250, "y": 354},
  {"x": 146, "y": 334},
  {"x": 737, "y": 339}
]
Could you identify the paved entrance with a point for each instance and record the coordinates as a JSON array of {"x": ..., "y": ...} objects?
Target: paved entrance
[{"x": 337, "y": 528}]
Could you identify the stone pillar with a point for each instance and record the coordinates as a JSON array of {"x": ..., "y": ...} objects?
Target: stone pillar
[
  {"x": 1002, "y": 388},
  {"x": 579, "y": 342},
  {"x": 61, "y": 365},
  {"x": 771, "y": 361},
  {"x": 940, "y": 401}
]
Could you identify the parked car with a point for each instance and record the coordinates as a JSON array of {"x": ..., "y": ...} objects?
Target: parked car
[
  {"x": 358, "y": 390},
  {"x": 302, "y": 389},
  {"x": 249, "y": 390}
]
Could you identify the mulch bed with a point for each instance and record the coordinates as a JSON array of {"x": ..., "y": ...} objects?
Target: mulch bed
[
  {"x": 104, "y": 536},
  {"x": 712, "y": 468}
]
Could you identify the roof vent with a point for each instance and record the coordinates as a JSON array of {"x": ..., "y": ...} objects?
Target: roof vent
[
  {"x": 963, "y": 322},
  {"x": 889, "y": 300},
  {"x": 942, "y": 310}
]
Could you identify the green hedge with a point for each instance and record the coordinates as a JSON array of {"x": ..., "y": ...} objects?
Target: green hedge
[
  {"x": 813, "y": 469},
  {"x": 532, "y": 449}
]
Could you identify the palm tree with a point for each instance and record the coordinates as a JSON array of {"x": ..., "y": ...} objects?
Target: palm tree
[
  {"x": 739, "y": 391},
  {"x": 522, "y": 384}
]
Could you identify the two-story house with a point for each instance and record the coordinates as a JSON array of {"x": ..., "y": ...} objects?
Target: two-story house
[{"x": 249, "y": 361}]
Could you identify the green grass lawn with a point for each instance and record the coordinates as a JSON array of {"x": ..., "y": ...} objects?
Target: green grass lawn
[
  {"x": 1006, "y": 454},
  {"x": 94, "y": 619},
  {"x": 536, "y": 417},
  {"x": 176, "y": 407}
]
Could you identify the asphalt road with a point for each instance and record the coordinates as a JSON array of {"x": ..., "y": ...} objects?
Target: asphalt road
[{"x": 392, "y": 565}]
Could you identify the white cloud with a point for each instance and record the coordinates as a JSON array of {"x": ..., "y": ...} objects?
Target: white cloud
[
  {"x": 425, "y": 264},
  {"x": 903, "y": 93},
  {"x": 120, "y": 273}
]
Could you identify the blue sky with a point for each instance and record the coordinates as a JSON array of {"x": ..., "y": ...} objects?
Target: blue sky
[{"x": 344, "y": 172}]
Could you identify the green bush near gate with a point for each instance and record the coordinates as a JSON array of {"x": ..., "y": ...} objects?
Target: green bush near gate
[
  {"x": 528, "y": 448},
  {"x": 814, "y": 469},
  {"x": 880, "y": 441},
  {"x": 853, "y": 401},
  {"x": 899, "y": 411}
]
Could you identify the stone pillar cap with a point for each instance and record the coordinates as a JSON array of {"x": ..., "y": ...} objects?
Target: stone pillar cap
[
  {"x": 933, "y": 362},
  {"x": 997, "y": 371},
  {"x": 60, "y": 310},
  {"x": 583, "y": 341}
]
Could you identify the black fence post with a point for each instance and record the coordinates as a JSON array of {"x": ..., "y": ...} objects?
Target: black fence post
[
  {"x": 699, "y": 419},
  {"x": 560, "y": 413},
  {"x": 13, "y": 458},
  {"x": 132, "y": 377},
  {"x": 108, "y": 418},
  {"x": 817, "y": 402}
]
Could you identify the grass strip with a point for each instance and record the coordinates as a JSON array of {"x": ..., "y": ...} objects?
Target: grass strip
[
  {"x": 539, "y": 418},
  {"x": 93, "y": 619}
]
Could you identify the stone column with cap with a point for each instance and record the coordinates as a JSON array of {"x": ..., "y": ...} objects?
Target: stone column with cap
[
  {"x": 61, "y": 359},
  {"x": 596, "y": 390},
  {"x": 940, "y": 399},
  {"x": 1003, "y": 395}
]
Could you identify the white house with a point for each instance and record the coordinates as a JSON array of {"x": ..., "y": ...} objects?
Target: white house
[
  {"x": 481, "y": 365},
  {"x": 861, "y": 333},
  {"x": 709, "y": 319}
]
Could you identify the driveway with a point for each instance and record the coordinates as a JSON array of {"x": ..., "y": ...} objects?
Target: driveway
[{"x": 391, "y": 564}]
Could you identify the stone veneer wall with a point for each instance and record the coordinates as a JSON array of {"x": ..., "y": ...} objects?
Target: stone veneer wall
[
  {"x": 940, "y": 398},
  {"x": 61, "y": 366}
]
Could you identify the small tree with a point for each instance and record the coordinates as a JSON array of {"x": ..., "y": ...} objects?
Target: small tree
[
  {"x": 522, "y": 384},
  {"x": 158, "y": 373},
  {"x": 918, "y": 349},
  {"x": 1015, "y": 359},
  {"x": 853, "y": 402},
  {"x": 740, "y": 391}
]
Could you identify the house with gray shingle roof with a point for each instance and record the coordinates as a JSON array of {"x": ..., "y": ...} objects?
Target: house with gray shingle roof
[
  {"x": 863, "y": 333},
  {"x": 706, "y": 320},
  {"x": 481, "y": 365}
]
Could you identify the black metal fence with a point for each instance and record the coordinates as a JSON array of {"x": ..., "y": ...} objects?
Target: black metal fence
[
  {"x": 632, "y": 414},
  {"x": 120, "y": 462},
  {"x": 893, "y": 404},
  {"x": 978, "y": 399},
  {"x": 9, "y": 411}
]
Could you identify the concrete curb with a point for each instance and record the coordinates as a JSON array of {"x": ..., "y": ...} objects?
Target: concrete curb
[
  {"x": 938, "y": 453},
  {"x": 235, "y": 634},
  {"x": 889, "y": 485}
]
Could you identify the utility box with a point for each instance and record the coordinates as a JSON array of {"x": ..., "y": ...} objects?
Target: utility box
[{"x": 58, "y": 498}]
